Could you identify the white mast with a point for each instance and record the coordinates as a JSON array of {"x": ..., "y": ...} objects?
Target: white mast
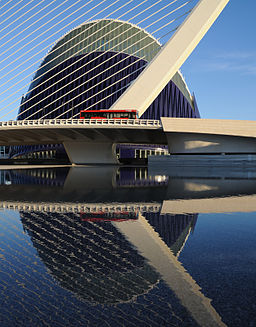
[{"x": 166, "y": 63}]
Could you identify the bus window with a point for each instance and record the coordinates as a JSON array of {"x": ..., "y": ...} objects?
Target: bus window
[{"x": 108, "y": 114}]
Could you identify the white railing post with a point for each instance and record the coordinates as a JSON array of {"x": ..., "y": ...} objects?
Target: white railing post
[{"x": 88, "y": 122}]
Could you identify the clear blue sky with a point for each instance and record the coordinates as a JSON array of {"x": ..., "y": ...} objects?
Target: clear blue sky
[{"x": 222, "y": 69}]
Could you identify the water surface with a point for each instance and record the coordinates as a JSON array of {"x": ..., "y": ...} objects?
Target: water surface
[{"x": 127, "y": 247}]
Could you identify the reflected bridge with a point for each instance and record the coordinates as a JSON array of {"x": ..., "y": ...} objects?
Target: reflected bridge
[
  {"x": 128, "y": 189},
  {"x": 243, "y": 203}
]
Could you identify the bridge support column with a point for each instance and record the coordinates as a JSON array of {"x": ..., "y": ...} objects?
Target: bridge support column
[{"x": 91, "y": 152}]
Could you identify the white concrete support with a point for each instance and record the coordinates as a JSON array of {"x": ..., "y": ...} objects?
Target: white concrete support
[
  {"x": 81, "y": 152},
  {"x": 162, "y": 68}
]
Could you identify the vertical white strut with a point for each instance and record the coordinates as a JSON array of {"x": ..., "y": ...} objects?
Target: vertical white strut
[{"x": 166, "y": 63}]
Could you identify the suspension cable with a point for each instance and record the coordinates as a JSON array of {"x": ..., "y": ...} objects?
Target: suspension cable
[
  {"x": 30, "y": 99},
  {"x": 100, "y": 65},
  {"x": 93, "y": 79},
  {"x": 61, "y": 54},
  {"x": 51, "y": 60},
  {"x": 91, "y": 42},
  {"x": 124, "y": 87},
  {"x": 16, "y": 4},
  {"x": 142, "y": 21},
  {"x": 101, "y": 91},
  {"x": 4, "y": 6},
  {"x": 59, "y": 47},
  {"x": 110, "y": 95},
  {"x": 12, "y": 22},
  {"x": 24, "y": 21},
  {"x": 34, "y": 32},
  {"x": 44, "y": 48},
  {"x": 93, "y": 85}
]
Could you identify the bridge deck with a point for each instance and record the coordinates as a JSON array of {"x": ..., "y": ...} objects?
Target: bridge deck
[{"x": 26, "y": 132}]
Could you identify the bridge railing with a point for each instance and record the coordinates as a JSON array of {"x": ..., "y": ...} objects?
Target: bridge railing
[
  {"x": 66, "y": 207},
  {"x": 82, "y": 122}
]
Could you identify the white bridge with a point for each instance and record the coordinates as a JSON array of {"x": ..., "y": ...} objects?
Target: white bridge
[
  {"x": 85, "y": 140},
  {"x": 23, "y": 132},
  {"x": 94, "y": 141}
]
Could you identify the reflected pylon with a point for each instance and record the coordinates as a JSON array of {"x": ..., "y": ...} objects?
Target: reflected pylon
[{"x": 141, "y": 234}]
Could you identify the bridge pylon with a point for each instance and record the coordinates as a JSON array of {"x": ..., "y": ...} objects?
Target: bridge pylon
[{"x": 145, "y": 89}]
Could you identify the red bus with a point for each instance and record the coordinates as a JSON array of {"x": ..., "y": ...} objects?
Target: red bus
[{"x": 109, "y": 114}]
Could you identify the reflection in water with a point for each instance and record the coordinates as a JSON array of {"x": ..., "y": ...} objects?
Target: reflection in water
[
  {"x": 44, "y": 176},
  {"x": 172, "y": 229},
  {"x": 104, "y": 273},
  {"x": 122, "y": 185},
  {"x": 106, "y": 252},
  {"x": 91, "y": 259}
]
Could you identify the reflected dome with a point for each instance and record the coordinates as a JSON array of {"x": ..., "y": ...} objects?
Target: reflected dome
[{"x": 91, "y": 259}]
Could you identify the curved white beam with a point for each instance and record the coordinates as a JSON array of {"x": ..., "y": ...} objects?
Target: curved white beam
[{"x": 162, "y": 68}]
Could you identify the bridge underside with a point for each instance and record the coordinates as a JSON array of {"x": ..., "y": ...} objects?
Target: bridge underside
[
  {"x": 53, "y": 135},
  {"x": 84, "y": 145}
]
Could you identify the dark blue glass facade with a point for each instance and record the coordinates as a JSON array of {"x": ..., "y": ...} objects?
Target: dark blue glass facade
[{"x": 77, "y": 84}]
